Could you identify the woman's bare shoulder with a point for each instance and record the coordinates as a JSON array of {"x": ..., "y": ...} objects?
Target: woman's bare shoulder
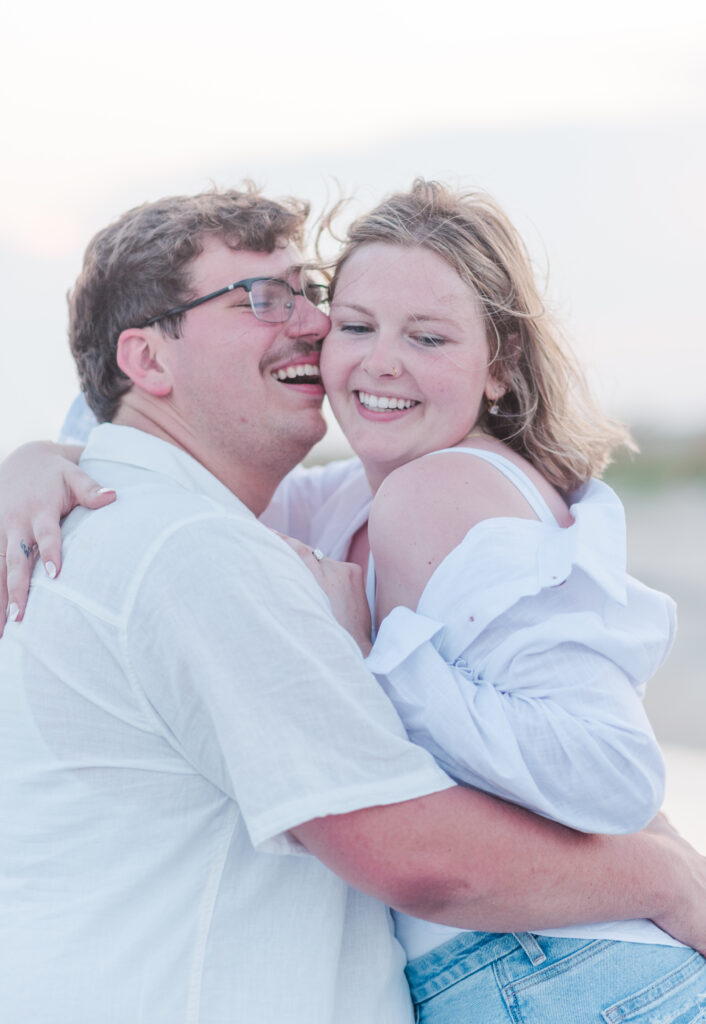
[
  {"x": 446, "y": 491},
  {"x": 424, "y": 509}
]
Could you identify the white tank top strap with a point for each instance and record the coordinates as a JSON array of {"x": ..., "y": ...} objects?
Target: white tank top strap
[{"x": 514, "y": 474}]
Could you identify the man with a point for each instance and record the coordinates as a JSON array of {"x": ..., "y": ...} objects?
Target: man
[{"x": 181, "y": 718}]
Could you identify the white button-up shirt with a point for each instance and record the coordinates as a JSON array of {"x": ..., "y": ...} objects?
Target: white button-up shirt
[
  {"x": 522, "y": 667},
  {"x": 171, "y": 705}
]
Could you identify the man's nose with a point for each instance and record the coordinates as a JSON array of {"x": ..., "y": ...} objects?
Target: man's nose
[{"x": 307, "y": 320}]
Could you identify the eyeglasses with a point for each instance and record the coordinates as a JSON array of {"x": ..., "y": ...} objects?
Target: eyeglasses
[{"x": 271, "y": 299}]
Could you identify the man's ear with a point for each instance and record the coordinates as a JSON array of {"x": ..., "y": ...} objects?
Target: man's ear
[{"x": 139, "y": 356}]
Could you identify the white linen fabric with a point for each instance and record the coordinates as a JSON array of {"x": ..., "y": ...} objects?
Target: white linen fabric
[
  {"x": 524, "y": 584},
  {"x": 523, "y": 666},
  {"x": 174, "y": 703},
  {"x": 539, "y": 646}
]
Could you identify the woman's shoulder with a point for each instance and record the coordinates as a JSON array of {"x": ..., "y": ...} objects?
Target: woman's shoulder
[
  {"x": 425, "y": 508},
  {"x": 457, "y": 488}
]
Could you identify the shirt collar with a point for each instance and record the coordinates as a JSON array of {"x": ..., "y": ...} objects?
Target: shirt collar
[{"x": 131, "y": 447}]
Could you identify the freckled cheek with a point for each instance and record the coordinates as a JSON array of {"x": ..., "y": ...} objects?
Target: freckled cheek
[
  {"x": 460, "y": 402},
  {"x": 448, "y": 390}
]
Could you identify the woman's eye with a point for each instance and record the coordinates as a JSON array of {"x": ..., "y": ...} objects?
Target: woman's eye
[
  {"x": 429, "y": 340},
  {"x": 354, "y": 328}
]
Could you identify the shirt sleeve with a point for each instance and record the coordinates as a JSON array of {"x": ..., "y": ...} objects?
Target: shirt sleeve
[
  {"x": 534, "y": 711},
  {"x": 301, "y": 495},
  {"x": 247, "y": 674}
]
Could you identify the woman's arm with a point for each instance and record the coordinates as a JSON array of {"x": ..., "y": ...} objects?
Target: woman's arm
[
  {"x": 39, "y": 484},
  {"x": 534, "y": 715},
  {"x": 592, "y": 766}
]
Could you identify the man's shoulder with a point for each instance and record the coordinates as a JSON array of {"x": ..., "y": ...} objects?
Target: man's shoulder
[
  {"x": 145, "y": 516},
  {"x": 156, "y": 519}
]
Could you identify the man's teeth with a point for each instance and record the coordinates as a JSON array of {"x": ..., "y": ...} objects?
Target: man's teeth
[
  {"x": 300, "y": 370},
  {"x": 382, "y": 402}
]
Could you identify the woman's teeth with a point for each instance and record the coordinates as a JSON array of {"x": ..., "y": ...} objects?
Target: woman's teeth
[{"x": 383, "y": 402}]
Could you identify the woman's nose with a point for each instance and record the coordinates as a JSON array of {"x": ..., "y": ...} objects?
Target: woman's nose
[{"x": 381, "y": 359}]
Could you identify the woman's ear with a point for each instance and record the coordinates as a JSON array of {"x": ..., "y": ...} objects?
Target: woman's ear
[
  {"x": 507, "y": 363},
  {"x": 494, "y": 389},
  {"x": 139, "y": 356}
]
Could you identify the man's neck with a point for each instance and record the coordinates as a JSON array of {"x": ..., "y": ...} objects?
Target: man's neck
[{"x": 253, "y": 485}]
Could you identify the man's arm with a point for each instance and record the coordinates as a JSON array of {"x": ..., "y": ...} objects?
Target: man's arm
[
  {"x": 239, "y": 657},
  {"x": 466, "y": 859}
]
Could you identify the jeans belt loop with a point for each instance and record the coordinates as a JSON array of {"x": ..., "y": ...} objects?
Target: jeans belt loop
[{"x": 531, "y": 947}]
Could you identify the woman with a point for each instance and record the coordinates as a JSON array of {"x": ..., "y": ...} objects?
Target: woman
[{"x": 510, "y": 638}]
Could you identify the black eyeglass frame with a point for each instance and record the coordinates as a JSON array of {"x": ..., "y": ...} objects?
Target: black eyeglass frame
[{"x": 247, "y": 283}]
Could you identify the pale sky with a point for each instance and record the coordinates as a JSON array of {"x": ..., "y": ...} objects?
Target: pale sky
[{"x": 108, "y": 106}]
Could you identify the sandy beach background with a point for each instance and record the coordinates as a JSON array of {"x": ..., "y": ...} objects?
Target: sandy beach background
[
  {"x": 666, "y": 549},
  {"x": 686, "y": 783}
]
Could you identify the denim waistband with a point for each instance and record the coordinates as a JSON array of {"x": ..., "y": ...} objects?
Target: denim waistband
[{"x": 463, "y": 955}]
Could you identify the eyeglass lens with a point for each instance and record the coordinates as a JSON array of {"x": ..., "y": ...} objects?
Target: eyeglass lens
[{"x": 273, "y": 301}]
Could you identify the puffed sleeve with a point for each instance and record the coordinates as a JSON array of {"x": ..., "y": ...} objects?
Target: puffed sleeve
[{"x": 527, "y": 684}]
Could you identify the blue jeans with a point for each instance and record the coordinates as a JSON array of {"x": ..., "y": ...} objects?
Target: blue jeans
[{"x": 479, "y": 978}]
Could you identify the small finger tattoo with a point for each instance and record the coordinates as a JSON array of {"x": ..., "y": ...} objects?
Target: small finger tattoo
[{"x": 27, "y": 552}]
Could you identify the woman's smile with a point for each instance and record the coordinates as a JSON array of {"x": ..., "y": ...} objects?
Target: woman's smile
[{"x": 406, "y": 362}]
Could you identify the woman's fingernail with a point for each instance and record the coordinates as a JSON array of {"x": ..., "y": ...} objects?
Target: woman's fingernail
[
  {"x": 105, "y": 490},
  {"x": 50, "y": 570},
  {"x": 12, "y": 612}
]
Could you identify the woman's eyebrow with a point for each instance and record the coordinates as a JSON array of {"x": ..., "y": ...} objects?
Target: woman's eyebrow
[
  {"x": 350, "y": 305},
  {"x": 417, "y": 318},
  {"x": 433, "y": 318}
]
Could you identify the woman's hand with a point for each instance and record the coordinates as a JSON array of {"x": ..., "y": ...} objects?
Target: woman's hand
[
  {"x": 342, "y": 582},
  {"x": 685, "y": 918},
  {"x": 39, "y": 484}
]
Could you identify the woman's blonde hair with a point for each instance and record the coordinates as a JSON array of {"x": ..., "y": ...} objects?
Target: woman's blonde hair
[{"x": 547, "y": 413}]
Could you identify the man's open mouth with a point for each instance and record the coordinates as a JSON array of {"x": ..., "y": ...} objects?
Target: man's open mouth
[{"x": 298, "y": 373}]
